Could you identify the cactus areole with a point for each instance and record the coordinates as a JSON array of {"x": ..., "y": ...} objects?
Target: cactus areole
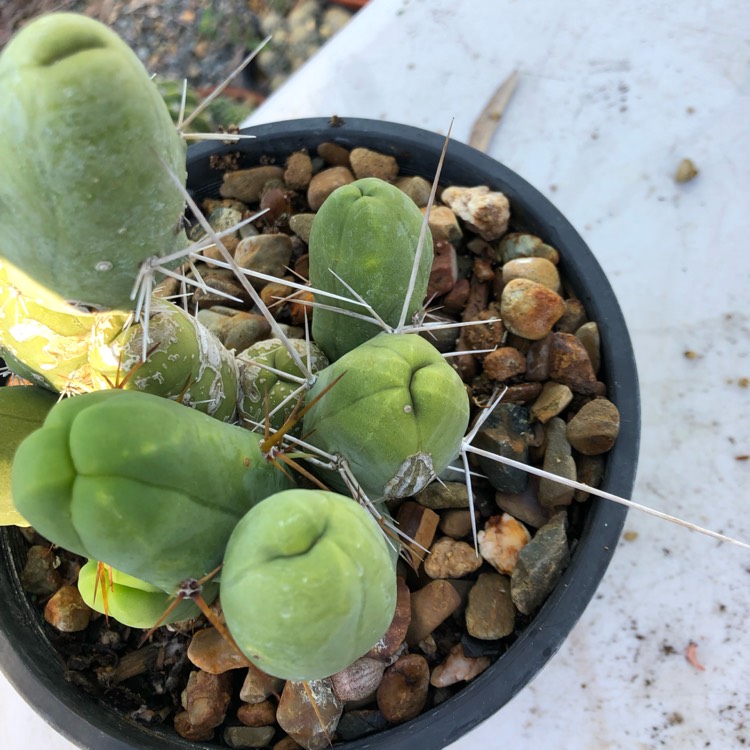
[{"x": 83, "y": 197}]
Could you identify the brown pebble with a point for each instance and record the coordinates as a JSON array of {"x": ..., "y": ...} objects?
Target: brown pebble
[
  {"x": 483, "y": 270},
  {"x": 449, "y": 558},
  {"x": 247, "y": 184},
  {"x": 444, "y": 225},
  {"x": 392, "y": 639},
  {"x": 359, "y": 680},
  {"x": 417, "y": 188},
  {"x": 541, "y": 270},
  {"x": 524, "y": 506},
  {"x": 368, "y": 163},
  {"x": 588, "y": 335},
  {"x": 403, "y": 692},
  {"x": 298, "y": 172},
  {"x": 430, "y": 606},
  {"x": 484, "y": 335},
  {"x": 552, "y": 400},
  {"x": 594, "y": 429},
  {"x": 325, "y": 182},
  {"x": 529, "y": 309},
  {"x": 258, "y": 686},
  {"x": 455, "y": 300},
  {"x": 456, "y": 523},
  {"x": 185, "y": 729},
  {"x": 570, "y": 364},
  {"x": 257, "y": 714},
  {"x": 333, "y": 154},
  {"x": 444, "y": 271},
  {"x": 267, "y": 253},
  {"x": 490, "y": 613},
  {"x": 211, "y": 652},
  {"x": 686, "y": 171},
  {"x": 274, "y": 295},
  {"x": 40, "y": 575},
  {"x": 442, "y": 495},
  {"x": 522, "y": 393},
  {"x": 504, "y": 363},
  {"x": 301, "y": 225},
  {"x": 418, "y": 524},
  {"x": 66, "y": 611},
  {"x": 310, "y": 725},
  {"x": 206, "y": 699}
]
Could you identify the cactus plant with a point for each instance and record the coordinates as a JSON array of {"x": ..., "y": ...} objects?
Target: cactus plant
[
  {"x": 76, "y": 96},
  {"x": 367, "y": 233},
  {"x": 308, "y": 584},
  {"x": 141, "y": 483}
]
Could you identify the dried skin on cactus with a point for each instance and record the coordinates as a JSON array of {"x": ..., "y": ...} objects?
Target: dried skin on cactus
[
  {"x": 141, "y": 483},
  {"x": 368, "y": 233},
  {"x": 133, "y": 602},
  {"x": 397, "y": 416},
  {"x": 84, "y": 199},
  {"x": 308, "y": 584}
]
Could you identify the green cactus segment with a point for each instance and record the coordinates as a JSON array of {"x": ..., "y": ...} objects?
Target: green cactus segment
[
  {"x": 368, "y": 233},
  {"x": 84, "y": 199},
  {"x": 22, "y": 410},
  {"x": 256, "y": 381},
  {"x": 141, "y": 483},
  {"x": 308, "y": 584},
  {"x": 133, "y": 602},
  {"x": 187, "y": 361},
  {"x": 397, "y": 417},
  {"x": 44, "y": 340}
]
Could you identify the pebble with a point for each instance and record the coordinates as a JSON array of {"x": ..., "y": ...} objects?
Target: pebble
[
  {"x": 212, "y": 653},
  {"x": 483, "y": 270},
  {"x": 287, "y": 743},
  {"x": 241, "y": 331},
  {"x": 417, "y": 188},
  {"x": 522, "y": 393},
  {"x": 540, "y": 565},
  {"x": 590, "y": 472},
  {"x": 449, "y": 558},
  {"x": 573, "y": 317},
  {"x": 490, "y": 613},
  {"x": 368, "y": 163},
  {"x": 274, "y": 296},
  {"x": 40, "y": 575},
  {"x": 333, "y": 154},
  {"x": 359, "y": 680},
  {"x": 66, "y": 611},
  {"x": 570, "y": 364},
  {"x": 541, "y": 270},
  {"x": 504, "y": 363},
  {"x": 594, "y": 429},
  {"x": 310, "y": 726},
  {"x": 301, "y": 225},
  {"x": 325, "y": 182},
  {"x": 221, "y": 285},
  {"x": 248, "y": 737},
  {"x": 588, "y": 335},
  {"x": 444, "y": 225},
  {"x": 298, "y": 171},
  {"x": 524, "y": 506},
  {"x": 501, "y": 541},
  {"x": 506, "y": 433},
  {"x": 484, "y": 335},
  {"x": 430, "y": 606},
  {"x": 537, "y": 360},
  {"x": 418, "y": 524},
  {"x": 486, "y": 212},
  {"x": 247, "y": 184},
  {"x": 523, "y": 245},
  {"x": 444, "y": 271},
  {"x": 185, "y": 729},
  {"x": 456, "y": 523},
  {"x": 258, "y": 686},
  {"x": 456, "y": 299},
  {"x": 558, "y": 459},
  {"x": 529, "y": 309},
  {"x": 257, "y": 714},
  {"x": 439, "y": 496},
  {"x": 458, "y": 668},
  {"x": 392, "y": 639},
  {"x": 267, "y": 253},
  {"x": 359, "y": 723},
  {"x": 403, "y": 692},
  {"x": 552, "y": 400},
  {"x": 205, "y": 700}
]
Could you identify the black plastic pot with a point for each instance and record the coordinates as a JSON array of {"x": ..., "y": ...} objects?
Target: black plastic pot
[{"x": 32, "y": 665}]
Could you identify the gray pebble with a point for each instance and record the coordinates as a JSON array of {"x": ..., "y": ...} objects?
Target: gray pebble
[
  {"x": 490, "y": 613},
  {"x": 558, "y": 459},
  {"x": 595, "y": 427},
  {"x": 248, "y": 737}
]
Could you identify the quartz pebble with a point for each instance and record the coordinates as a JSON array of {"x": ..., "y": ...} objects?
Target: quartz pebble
[
  {"x": 325, "y": 182},
  {"x": 403, "y": 692},
  {"x": 490, "y": 613},
  {"x": 211, "y": 652},
  {"x": 486, "y": 212},
  {"x": 540, "y": 565},
  {"x": 430, "y": 606},
  {"x": 309, "y": 725},
  {"x": 66, "y": 611},
  {"x": 558, "y": 460},
  {"x": 594, "y": 429},
  {"x": 247, "y": 184},
  {"x": 368, "y": 163},
  {"x": 458, "y": 668},
  {"x": 501, "y": 540},
  {"x": 529, "y": 309},
  {"x": 449, "y": 558}
]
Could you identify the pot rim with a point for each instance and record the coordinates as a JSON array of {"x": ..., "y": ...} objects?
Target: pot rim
[{"x": 25, "y": 652}]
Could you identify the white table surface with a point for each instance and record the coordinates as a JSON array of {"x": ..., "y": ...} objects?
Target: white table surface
[{"x": 611, "y": 97}]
